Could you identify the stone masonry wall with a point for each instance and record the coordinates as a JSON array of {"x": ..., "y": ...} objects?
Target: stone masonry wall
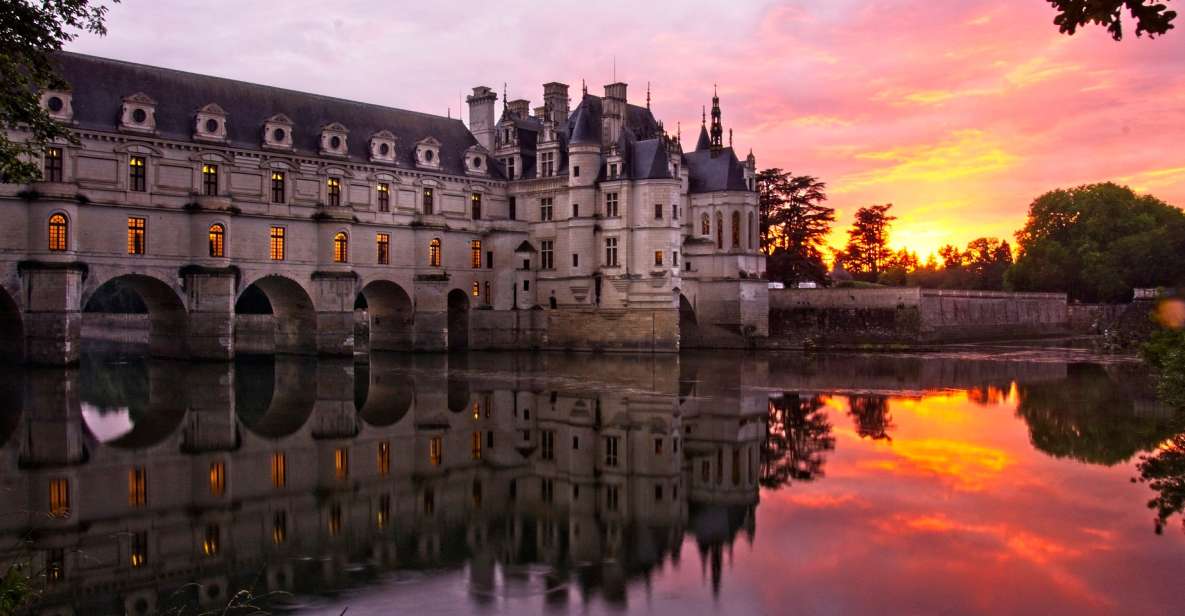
[{"x": 612, "y": 330}]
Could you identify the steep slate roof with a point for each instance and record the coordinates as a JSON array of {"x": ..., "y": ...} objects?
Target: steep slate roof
[
  {"x": 99, "y": 86},
  {"x": 714, "y": 173},
  {"x": 584, "y": 124},
  {"x": 650, "y": 160},
  {"x": 704, "y": 142}
]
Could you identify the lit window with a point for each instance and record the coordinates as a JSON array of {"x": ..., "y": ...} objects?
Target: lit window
[
  {"x": 436, "y": 450},
  {"x": 610, "y": 252},
  {"x": 657, "y": 257},
  {"x": 434, "y": 252},
  {"x": 341, "y": 463},
  {"x": 279, "y": 469},
  {"x": 384, "y": 191},
  {"x": 217, "y": 479},
  {"x": 546, "y": 254},
  {"x": 335, "y": 520},
  {"x": 384, "y": 458},
  {"x": 138, "y": 550},
  {"x": 705, "y": 224},
  {"x": 383, "y": 244},
  {"x": 53, "y": 165},
  {"x": 58, "y": 232},
  {"x": 276, "y": 244},
  {"x": 475, "y": 253},
  {"x": 59, "y": 498},
  {"x": 217, "y": 240},
  {"x": 210, "y": 180},
  {"x": 55, "y": 565},
  {"x": 211, "y": 540},
  {"x": 341, "y": 247},
  {"x": 545, "y": 208},
  {"x": 611, "y": 451},
  {"x": 383, "y": 513},
  {"x": 279, "y": 527},
  {"x": 475, "y": 205},
  {"x": 475, "y": 446},
  {"x": 427, "y": 200},
  {"x": 138, "y": 486},
  {"x": 137, "y": 174},
  {"x": 475, "y": 290},
  {"x": 278, "y": 187},
  {"x": 136, "y": 235},
  {"x": 611, "y": 205},
  {"x": 334, "y": 188}
]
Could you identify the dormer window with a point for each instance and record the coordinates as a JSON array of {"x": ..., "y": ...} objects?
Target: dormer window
[
  {"x": 210, "y": 123},
  {"x": 428, "y": 153},
  {"x": 475, "y": 161},
  {"x": 277, "y": 132},
  {"x": 382, "y": 147},
  {"x": 138, "y": 113},
  {"x": 333, "y": 139},
  {"x": 58, "y": 104}
]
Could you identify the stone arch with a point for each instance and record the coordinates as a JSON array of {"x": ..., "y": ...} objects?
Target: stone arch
[
  {"x": 382, "y": 398},
  {"x": 147, "y": 388},
  {"x": 458, "y": 320},
  {"x": 389, "y": 315},
  {"x": 12, "y": 331},
  {"x": 275, "y": 396},
  {"x": 292, "y": 326},
  {"x": 168, "y": 320}
]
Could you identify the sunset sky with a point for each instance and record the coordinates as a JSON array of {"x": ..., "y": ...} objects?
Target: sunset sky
[{"x": 959, "y": 112}]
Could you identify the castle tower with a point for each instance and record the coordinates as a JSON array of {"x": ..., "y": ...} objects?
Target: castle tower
[
  {"x": 481, "y": 116},
  {"x": 717, "y": 132}
]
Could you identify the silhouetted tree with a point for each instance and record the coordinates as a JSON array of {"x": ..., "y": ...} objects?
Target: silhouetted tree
[
  {"x": 1151, "y": 16},
  {"x": 1097, "y": 242},
  {"x": 1164, "y": 472},
  {"x": 29, "y": 33},
  {"x": 867, "y": 252},
  {"x": 794, "y": 225},
  {"x": 798, "y": 435},
  {"x": 871, "y": 414}
]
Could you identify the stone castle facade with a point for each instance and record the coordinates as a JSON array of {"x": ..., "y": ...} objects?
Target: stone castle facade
[{"x": 580, "y": 225}]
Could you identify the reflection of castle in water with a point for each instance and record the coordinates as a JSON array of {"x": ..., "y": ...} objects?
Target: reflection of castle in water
[{"x": 288, "y": 474}]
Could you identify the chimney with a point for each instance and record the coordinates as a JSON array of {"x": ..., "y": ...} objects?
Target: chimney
[
  {"x": 612, "y": 113},
  {"x": 481, "y": 115},
  {"x": 555, "y": 98},
  {"x": 520, "y": 108}
]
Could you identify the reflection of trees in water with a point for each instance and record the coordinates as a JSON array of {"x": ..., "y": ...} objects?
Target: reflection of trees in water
[
  {"x": 987, "y": 395},
  {"x": 871, "y": 414},
  {"x": 111, "y": 383},
  {"x": 1164, "y": 472},
  {"x": 798, "y": 435},
  {"x": 1093, "y": 417}
]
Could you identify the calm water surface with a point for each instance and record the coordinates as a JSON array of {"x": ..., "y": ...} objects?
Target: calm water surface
[{"x": 1008, "y": 482}]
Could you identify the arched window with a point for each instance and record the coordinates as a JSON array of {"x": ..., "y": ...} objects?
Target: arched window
[
  {"x": 705, "y": 224},
  {"x": 59, "y": 231},
  {"x": 217, "y": 240},
  {"x": 434, "y": 252},
  {"x": 750, "y": 234},
  {"x": 736, "y": 229},
  {"x": 719, "y": 230},
  {"x": 341, "y": 247}
]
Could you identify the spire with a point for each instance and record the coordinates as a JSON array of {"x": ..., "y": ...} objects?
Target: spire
[
  {"x": 505, "y": 97},
  {"x": 730, "y": 137},
  {"x": 583, "y": 87},
  {"x": 648, "y": 95},
  {"x": 703, "y": 116},
  {"x": 717, "y": 132},
  {"x": 679, "y": 131}
]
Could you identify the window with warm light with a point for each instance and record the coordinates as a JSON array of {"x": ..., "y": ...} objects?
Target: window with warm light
[
  {"x": 335, "y": 520},
  {"x": 436, "y": 450},
  {"x": 384, "y": 458},
  {"x": 705, "y": 224},
  {"x": 427, "y": 200},
  {"x": 59, "y": 232},
  {"x": 137, "y": 173},
  {"x": 136, "y": 235},
  {"x": 53, "y": 165},
  {"x": 658, "y": 258},
  {"x": 217, "y": 478},
  {"x": 138, "y": 487},
  {"x": 278, "y": 188},
  {"x": 341, "y": 463},
  {"x": 210, "y": 180},
  {"x": 434, "y": 252},
  {"x": 383, "y": 248},
  {"x": 475, "y": 445},
  {"x": 475, "y": 289},
  {"x": 341, "y": 247},
  {"x": 384, "y": 192},
  {"x": 279, "y": 527},
  {"x": 383, "y": 511},
  {"x": 59, "y": 498},
  {"x": 211, "y": 540},
  {"x": 138, "y": 550},
  {"x": 475, "y": 253},
  {"x": 333, "y": 187},
  {"x": 279, "y": 469},
  {"x": 217, "y": 240},
  {"x": 276, "y": 244},
  {"x": 55, "y": 565},
  {"x": 475, "y": 205}
]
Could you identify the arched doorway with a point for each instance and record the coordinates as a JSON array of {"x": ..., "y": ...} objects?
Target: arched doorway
[
  {"x": 12, "y": 334},
  {"x": 386, "y": 315},
  {"x": 275, "y": 315},
  {"x": 458, "y": 320},
  {"x": 113, "y": 308},
  {"x": 688, "y": 328}
]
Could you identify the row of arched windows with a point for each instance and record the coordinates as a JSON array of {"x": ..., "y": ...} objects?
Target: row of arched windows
[
  {"x": 706, "y": 229},
  {"x": 59, "y": 236}
]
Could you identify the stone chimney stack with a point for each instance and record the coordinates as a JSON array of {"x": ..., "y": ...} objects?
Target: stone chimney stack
[
  {"x": 481, "y": 115},
  {"x": 519, "y": 108},
  {"x": 555, "y": 98},
  {"x": 613, "y": 109}
]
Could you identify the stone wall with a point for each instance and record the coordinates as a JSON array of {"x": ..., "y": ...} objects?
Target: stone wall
[
  {"x": 612, "y": 330},
  {"x": 910, "y": 316}
]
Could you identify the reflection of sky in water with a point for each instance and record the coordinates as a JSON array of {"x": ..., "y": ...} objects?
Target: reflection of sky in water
[{"x": 107, "y": 424}]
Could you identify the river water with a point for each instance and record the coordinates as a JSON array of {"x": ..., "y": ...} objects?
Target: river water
[{"x": 1005, "y": 480}]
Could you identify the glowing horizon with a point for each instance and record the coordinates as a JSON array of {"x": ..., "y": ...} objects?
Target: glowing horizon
[{"x": 959, "y": 114}]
